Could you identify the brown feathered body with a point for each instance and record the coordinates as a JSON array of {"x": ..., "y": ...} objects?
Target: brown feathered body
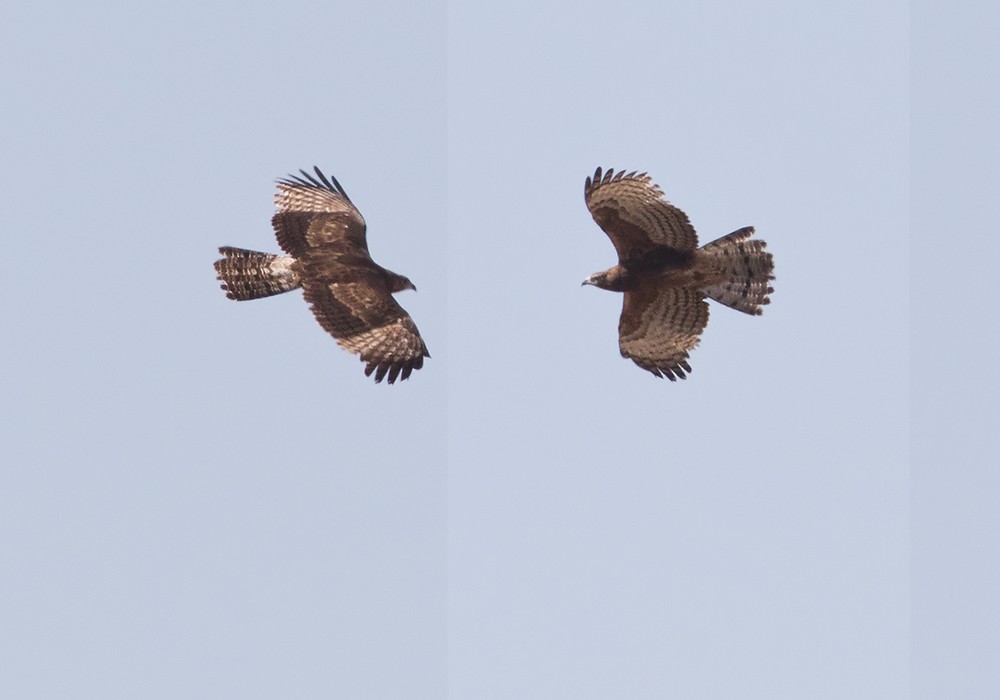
[
  {"x": 324, "y": 237},
  {"x": 664, "y": 276}
]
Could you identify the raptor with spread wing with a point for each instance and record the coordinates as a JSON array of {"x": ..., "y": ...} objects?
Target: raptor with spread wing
[
  {"x": 323, "y": 236},
  {"x": 665, "y": 276}
]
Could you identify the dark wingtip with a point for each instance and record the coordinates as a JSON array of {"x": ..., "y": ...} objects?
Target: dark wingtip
[
  {"x": 326, "y": 182},
  {"x": 336, "y": 186},
  {"x": 318, "y": 180},
  {"x": 393, "y": 371},
  {"x": 592, "y": 182}
]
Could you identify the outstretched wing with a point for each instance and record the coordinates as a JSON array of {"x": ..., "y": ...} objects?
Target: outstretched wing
[
  {"x": 316, "y": 215},
  {"x": 349, "y": 294},
  {"x": 631, "y": 209},
  {"x": 366, "y": 320},
  {"x": 660, "y": 325}
]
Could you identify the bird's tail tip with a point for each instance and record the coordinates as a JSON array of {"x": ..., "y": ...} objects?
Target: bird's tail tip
[
  {"x": 747, "y": 270},
  {"x": 248, "y": 274}
]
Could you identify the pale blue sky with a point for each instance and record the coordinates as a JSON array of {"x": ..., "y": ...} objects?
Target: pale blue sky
[{"x": 204, "y": 499}]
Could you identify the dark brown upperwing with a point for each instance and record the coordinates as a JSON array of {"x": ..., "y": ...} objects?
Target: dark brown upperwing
[
  {"x": 315, "y": 212},
  {"x": 660, "y": 325},
  {"x": 357, "y": 309},
  {"x": 630, "y": 208}
]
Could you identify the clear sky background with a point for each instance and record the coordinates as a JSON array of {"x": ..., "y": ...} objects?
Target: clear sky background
[{"x": 205, "y": 499}]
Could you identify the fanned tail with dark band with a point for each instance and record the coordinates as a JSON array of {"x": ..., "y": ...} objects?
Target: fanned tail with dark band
[
  {"x": 748, "y": 270},
  {"x": 247, "y": 274}
]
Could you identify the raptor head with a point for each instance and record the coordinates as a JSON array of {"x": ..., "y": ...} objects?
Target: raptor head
[
  {"x": 612, "y": 279},
  {"x": 397, "y": 283}
]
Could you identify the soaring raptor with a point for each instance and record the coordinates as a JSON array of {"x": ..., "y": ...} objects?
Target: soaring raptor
[
  {"x": 665, "y": 276},
  {"x": 323, "y": 236}
]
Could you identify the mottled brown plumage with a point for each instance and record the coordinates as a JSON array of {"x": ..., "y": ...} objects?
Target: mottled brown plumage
[
  {"x": 324, "y": 237},
  {"x": 663, "y": 274}
]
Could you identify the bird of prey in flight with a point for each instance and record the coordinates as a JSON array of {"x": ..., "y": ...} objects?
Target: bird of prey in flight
[
  {"x": 324, "y": 239},
  {"x": 663, "y": 274}
]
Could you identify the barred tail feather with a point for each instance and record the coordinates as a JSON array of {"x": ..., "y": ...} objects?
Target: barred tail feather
[
  {"x": 747, "y": 270},
  {"x": 247, "y": 274}
]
